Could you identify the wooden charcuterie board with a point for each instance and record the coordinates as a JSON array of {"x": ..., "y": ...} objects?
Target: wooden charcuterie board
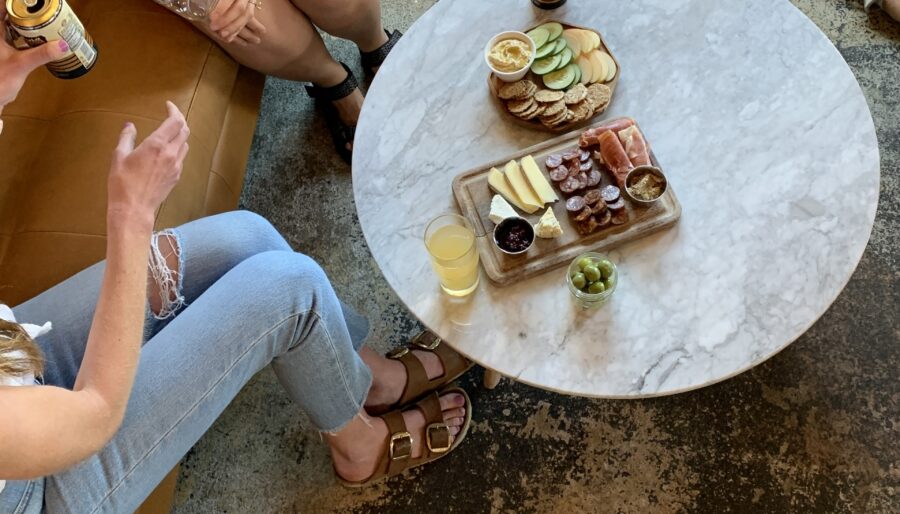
[{"x": 473, "y": 196}]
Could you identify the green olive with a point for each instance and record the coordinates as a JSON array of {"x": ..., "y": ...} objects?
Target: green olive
[
  {"x": 578, "y": 280},
  {"x": 591, "y": 273},
  {"x": 584, "y": 262},
  {"x": 606, "y": 268},
  {"x": 596, "y": 288},
  {"x": 610, "y": 282}
]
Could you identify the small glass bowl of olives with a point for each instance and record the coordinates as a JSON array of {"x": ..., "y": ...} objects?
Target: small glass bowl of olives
[{"x": 592, "y": 279}]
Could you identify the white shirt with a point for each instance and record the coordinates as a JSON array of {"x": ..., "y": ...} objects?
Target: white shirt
[{"x": 28, "y": 379}]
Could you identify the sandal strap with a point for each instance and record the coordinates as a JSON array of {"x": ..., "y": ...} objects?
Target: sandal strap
[
  {"x": 332, "y": 93},
  {"x": 399, "y": 452},
  {"x": 417, "y": 380},
  {"x": 437, "y": 433},
  {"x": 416, "y": 377},
  {"x": 376, "y": 57}
]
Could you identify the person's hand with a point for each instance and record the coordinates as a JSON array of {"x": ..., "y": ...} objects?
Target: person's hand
[
  {"x": 15, "y": 65},
  {"x": 235, "y": 22},
  {"x": 141, "y": 178}
]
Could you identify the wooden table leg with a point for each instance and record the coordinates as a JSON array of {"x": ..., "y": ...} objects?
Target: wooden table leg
[{"x": 491, "y": 378}]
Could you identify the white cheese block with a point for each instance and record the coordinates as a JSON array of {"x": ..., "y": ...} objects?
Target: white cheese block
[
  {"x": 537, "y": 181},
  {"x": 517, "y": 180},
  {"x": 499, "y": 184},
  {"x": 548, "y": 226},
  {"x": 500, "y": 210}
]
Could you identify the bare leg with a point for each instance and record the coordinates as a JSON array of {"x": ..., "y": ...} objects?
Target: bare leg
[
  {"x": 357, "y": 448},
  {"x": 356, "y": 20}
]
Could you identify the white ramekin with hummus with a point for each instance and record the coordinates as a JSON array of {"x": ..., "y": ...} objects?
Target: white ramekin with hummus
[{"x": 509, "y": 55}]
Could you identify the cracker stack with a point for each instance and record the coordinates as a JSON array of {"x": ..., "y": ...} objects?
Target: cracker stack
[{"x": 554, "y": 108}]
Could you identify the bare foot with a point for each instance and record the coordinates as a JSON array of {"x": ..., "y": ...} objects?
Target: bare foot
[
  {"x": 348, "y": 109},
  {"x": 357, "y": 461},
  {"x": 389, "y": 379}
]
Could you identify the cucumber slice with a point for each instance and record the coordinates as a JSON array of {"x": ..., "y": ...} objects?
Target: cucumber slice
[
  {"x": 545, "y": 50},
  {"x": 565, "y": 57},
  {"x": 545, "y": 65},
  {"x": 560, "y": 46},
  {"x": 577, "y": 76},
  {"x": 539, "y": 36},
  {"x": 561, "y": 79},
  {"x": 555, "y": 29}
]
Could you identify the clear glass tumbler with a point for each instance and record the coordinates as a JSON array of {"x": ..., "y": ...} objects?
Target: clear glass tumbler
[
  {"x": 191, "y": 9},
  {"x": 451, "y": 243}
]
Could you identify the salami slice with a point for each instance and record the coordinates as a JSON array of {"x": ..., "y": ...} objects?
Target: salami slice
[
  {"x": 594, "y": 178},
  {"x": 604, "y": 219},
  {"x": 584, "y": 214},
  {"x": 588, "y": 226},
  {"x": 554, "y": 161},
  {"x": 611, "y": 194},
  {"x": 574, "y": 171},
  {"x": 617, "y": 206},
  {"x": 559, "y": 174},
  {"x": 582, "y": 180},
  {"x": 575, "y": 204},
  {"x": 592, "y": 197},
  {"x": 584, "y": 156},
  {"x": 586, "y": 166},
  {"x": 569, "y": 185},
  {"x": 600, "y": 207},
  {"x": 620, "y": 218}
]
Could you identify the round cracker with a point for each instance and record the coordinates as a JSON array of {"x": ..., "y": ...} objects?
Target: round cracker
[
  {"x": 555, "y": 108},
  {"x": 582, "y": 111},
  {"x": 527, "y": 114},
  {"x": 515, "y": 90},
  {"x": 576, "y": 95},
  {"x": 520, "y": 106},
  {"x": 549, "y": 96},
  {"x": 538, "y": 109},
  {"x": 598, "y": 95}
]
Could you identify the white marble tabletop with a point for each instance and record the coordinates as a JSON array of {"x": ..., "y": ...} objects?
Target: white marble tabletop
[{"x": 761, "y": 128}]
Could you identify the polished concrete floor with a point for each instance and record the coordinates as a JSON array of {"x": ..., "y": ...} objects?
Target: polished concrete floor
[{"x": 814, "y": 429}]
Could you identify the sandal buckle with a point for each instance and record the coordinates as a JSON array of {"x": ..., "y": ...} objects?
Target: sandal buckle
[
  {"x": 442, "y": 429},
  {"x": 429, "y": 346},
  {"x": 400, "y": 446},
  {"x": 396, "y": 353}
]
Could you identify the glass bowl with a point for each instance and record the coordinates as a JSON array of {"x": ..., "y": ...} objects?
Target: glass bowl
[{"x": 591, "y": 300}]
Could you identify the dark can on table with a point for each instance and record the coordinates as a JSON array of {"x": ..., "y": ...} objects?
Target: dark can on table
[
  {"x": 35, "y": 22},
  {"x": 548, "y": 4}
]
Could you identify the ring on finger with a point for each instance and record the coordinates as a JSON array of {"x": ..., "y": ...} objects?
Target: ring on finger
[{"x": 257, "y": 3}]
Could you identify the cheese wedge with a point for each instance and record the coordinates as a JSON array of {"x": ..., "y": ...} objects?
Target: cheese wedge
[
  {"x": 537, "y": 181},
  {"x": 548, "y": 226},
  {"x": 500, "y": 210},
  {"x": 499, "y": 184},
  {"x": 520, "y": 185}
]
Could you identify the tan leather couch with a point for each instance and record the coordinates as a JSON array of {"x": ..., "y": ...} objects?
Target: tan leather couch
[{"x": 59, "y": 135}]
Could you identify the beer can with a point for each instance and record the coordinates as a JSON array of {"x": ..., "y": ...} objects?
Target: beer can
[{"x": 35, "y": 22}]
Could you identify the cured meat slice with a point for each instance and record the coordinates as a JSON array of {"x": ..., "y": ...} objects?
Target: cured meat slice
[
  {"x": 569, "y": 185},
  {"x": 635, "y": 146},
  {"x": 559, "y": 174},
  {"x": 584, "y": 214},
  {"x": 620, "y": 218},
  {"x": 594, "y": 178},
  {"x": 615, "y": 157},
  {"x": 600, "y": 207},
  {"x": 582, "y": 180},
  {"x": 604, "y": 219},
  {"x": 592, "y": 197},
  {"x": 575, "y": 204},
  {"x": 587, "y": 226},
  {"x": 618, "y": 205},
  {"x": 591, "y": 136},
  {"x": 554, "y": 161},
  {"x": 586, "y": 166},
  {"x": 574, "y": 171},
  {"x": 585, "y": 156},
  {"x": 610, "y": 193}
]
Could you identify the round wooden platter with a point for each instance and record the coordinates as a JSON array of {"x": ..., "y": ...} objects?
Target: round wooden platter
[{"x": 495, "y": 84}]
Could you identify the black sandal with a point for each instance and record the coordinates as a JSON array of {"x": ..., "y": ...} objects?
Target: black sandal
[
  {"x": 374, "y": 59},
  {"x": 341, "y": 133}
]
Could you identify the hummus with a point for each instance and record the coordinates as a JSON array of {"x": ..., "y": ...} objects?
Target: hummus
[{"x": 509, "y": 55}]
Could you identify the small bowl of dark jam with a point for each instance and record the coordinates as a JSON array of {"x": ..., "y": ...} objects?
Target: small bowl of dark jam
[{"x": 514, "y": 236}]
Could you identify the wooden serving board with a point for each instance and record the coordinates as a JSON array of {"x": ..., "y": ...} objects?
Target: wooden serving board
[
  {"x": 473, "y": 195},
  {"x": 495, "y": 84}
]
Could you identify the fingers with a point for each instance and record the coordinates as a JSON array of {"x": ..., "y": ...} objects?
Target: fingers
[
  {"x": 172, "y": 126},
  {"x": 248, "y": 35},
  {"x": 182, "y": 153},
  {"x": 217, "y": 18},
  {"x": 242, "y": 12},
  {"x": 33, "y": 58},
  {"x": 256, "y": 26},
  {"x": 126, "y": 140}
]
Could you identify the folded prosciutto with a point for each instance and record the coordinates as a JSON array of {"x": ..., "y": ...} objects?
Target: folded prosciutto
[
  {"x": 591, "y": 137},
  {"x": 614, "y": 157},
  {"x": 635, "y": 146}
]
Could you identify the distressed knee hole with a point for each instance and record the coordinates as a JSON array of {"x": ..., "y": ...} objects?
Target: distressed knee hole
[{"x": 166, "y": 267}]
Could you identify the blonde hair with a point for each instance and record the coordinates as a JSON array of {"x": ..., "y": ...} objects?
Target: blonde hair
[{"x": 19, "y": 355}]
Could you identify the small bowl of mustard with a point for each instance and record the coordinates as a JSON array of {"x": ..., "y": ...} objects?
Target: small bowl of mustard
[
  {"x": 509, "y": 55},
  {"x": 645, "y": 184}
]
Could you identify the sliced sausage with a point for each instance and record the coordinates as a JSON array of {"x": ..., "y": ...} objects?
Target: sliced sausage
[
  {"x": 575, "y": 204},
  {"x": 582, "y": 180},
  {"x": 600, "y": 207},
  {"x": 611, "y": 194},
  {"x": 604, "y": 219},
  {"x": 594, "y": 178},
  {"x": 584, "y": 214},
  {"x": 588, "y": 226},
  {"x": 586, "y": 167},
  {"x": 554, "y": 161},
  {"x": 617, "y": 206},
  {"x": 559, "y": 173},
  {"x": 592, "y": 197},
  {"x": 620, "y": 218},
  {"x": 569, "y": 185},
  {"x": 584, "y": 156}
]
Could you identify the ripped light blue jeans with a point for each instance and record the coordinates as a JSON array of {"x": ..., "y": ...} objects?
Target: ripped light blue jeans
[{"x": 249, "y": 301}]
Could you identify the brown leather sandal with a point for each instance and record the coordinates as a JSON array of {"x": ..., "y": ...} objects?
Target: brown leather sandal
[
  {"x": 397, "y": 456},
  {"x": 417, "y": 382}
]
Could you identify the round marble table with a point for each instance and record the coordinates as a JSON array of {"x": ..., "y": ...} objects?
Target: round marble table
[{"x": 766, "y": 138}]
